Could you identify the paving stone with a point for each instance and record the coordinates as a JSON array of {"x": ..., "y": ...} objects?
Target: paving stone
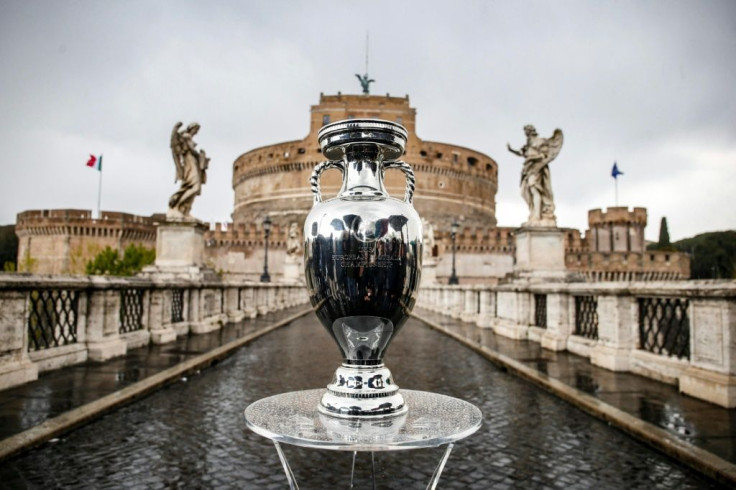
[{"x": 192, "y": 434}]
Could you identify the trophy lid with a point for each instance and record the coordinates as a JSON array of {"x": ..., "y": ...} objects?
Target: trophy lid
[{"x": 389, "y": 135}]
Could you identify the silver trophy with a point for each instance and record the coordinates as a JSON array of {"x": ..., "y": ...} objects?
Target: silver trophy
[{"x": 363, "y": 253}]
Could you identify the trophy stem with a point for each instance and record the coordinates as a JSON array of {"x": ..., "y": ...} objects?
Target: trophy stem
[{"x": 362, "y": 391}]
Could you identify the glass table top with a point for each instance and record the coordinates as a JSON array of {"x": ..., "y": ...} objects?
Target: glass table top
[{"x": 432, "y": 420}]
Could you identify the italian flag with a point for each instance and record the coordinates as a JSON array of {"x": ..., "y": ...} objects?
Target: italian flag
[{"x": 95, "y": 162}]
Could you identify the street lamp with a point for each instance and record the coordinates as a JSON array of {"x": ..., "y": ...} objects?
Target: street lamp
[
  {"x": 453, "y": 233},
  {"x": 267, "y": 231}
]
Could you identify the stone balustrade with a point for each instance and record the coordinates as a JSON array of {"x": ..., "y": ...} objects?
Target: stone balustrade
[
  {"x": 683, "y": 332},
  {"x": 47, "y": 322}
]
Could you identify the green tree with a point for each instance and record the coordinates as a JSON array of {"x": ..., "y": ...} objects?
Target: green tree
[
  {"x": 109, "y": 262},
  {"x": 712, "y": 255},
  {"x": 135, "y": 258},
  {"x": 664, "y": 234}
]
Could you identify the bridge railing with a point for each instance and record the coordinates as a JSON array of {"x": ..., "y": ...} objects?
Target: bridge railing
[
  {"x": 683, "y": 332},
  {"x": 47, "y": 322}
]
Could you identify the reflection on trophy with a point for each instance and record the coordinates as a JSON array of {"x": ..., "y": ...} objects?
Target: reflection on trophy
[{"x": 363, "y": 252}]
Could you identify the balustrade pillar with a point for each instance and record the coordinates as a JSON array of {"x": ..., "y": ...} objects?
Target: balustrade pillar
[
  {"x": 103, "y": 325},
  {"x": 559, "y": 322},
  {"x": 456, "y": 302},
  {"x": 232, "y": 306},
  {"x": 158, "y": 320},
  {"x": 712, "y": 373},
  {"x": 206, "y": 308},
  {"x": 248, "y": 300},
  {"x": 487, "y": 300},
  {"x": 470, "y": 305},
  {"x": 15, "y": 365},
  {"x": 617, "y": 321},
  {"x": 262, "y": 299},
  {"x": 513, "y": 314}
]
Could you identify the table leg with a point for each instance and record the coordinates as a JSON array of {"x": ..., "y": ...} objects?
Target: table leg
[
  {"x": 287, "y": 468},
  {"x": 441, "y": 466},
  {"x": 352, "y": 470},
  {"x": 373, "y": 470}
]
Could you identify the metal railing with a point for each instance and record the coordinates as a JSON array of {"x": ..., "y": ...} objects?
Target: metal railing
[
  {"x": 131, "y": 310},
  {"x": 52, "y": 318},
  {"x": 540, "y": 310},
  {"x": 586, "y": 317},
  {"x": 664, "y": 326},
  {"x": 177, "y": 305}
]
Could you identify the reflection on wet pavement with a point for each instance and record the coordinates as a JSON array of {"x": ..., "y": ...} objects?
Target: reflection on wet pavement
[
  {"x": 192, "y": 434},
  {"x": 59, "y": 391},
  {"x": 700, "y": 423}
]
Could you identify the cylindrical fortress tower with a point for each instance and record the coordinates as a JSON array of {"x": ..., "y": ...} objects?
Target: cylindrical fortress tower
[{"x": 452, "y": 182}]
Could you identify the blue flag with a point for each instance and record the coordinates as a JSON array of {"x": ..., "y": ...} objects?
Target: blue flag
[{"x": 615, "y": 172}]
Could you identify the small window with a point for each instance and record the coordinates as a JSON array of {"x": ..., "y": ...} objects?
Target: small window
[
  {"x": 325, "y": 119},
  {"x": 439, "y": 155},
  {"x": 489, "y": 167},
  {"x": 455, "y": 157},
  {"x": 423, "y": 153},
  {"x": 472, "y": 161},
  {"x": 286, "y": 154},
  {"x": 301, "y": 151}
]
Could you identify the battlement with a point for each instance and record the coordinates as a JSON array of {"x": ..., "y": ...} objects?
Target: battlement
[
  {"x": 617, "y": 215},
  {"x": 61, "y": 241},
  {"x": 58, "y": 216},
  {"x": 246, "y": 236}
]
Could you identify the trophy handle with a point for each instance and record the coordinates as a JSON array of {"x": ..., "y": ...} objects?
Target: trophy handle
[
  {"x": 317, "y": 172},
  {"x": 411, "y": 181}
]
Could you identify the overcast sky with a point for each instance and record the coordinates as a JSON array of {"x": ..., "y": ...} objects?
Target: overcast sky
[{"x": 649, "y": 84}]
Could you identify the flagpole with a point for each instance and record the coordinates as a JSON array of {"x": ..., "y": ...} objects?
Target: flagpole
[
  {"x": 99, "y": 191},
  {"x": 616, "y": 185}
]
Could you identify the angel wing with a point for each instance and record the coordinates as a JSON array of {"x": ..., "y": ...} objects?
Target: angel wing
[
  {"x": 555, "y": 145},
  {"x": 177, "y": 149}
]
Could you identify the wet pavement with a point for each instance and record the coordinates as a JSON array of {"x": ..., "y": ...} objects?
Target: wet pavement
[
  {"x": 57, "y": 392},
  {"x": 694, "y": 421},
  {"x": 191, "y": 434}
]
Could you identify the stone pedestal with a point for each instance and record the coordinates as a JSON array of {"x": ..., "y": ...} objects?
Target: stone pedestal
[
  {"x": 540, "y": 254},
  {"x": 180, "y": 244},
  {"x": 180, "y": 250}
]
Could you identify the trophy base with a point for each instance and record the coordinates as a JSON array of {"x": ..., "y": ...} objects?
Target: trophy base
[{"x": 364, "y": 392}]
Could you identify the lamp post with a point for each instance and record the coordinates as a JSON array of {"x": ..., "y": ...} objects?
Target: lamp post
[
  {"x": 267, "y": 231},
  {"x": 453, "y": 233}
]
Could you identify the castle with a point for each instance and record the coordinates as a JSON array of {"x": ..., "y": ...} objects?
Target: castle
[{"x": 453, "y": 183}]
